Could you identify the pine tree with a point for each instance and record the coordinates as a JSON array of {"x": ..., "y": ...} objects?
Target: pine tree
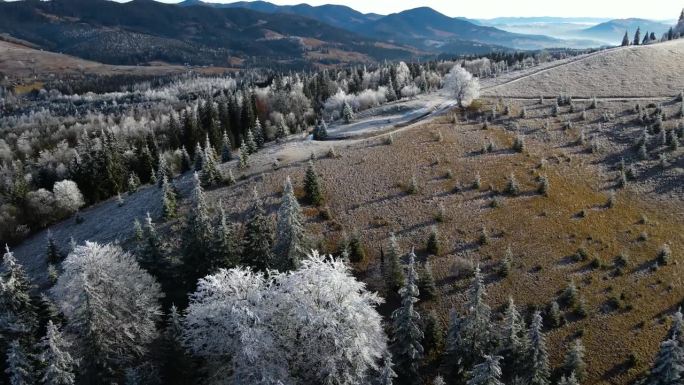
[
  {"x": 312, "y": 187},
  {"x": 625, "y": 39},
  {"x": 53, "y": 253},
  {"x": 244, "y": 156},
  {"x": 321, "y": 131},
  {"x": 59, "y": 366},
  {"x": 210, "y": 174},
  {"x": 667, "y": 368},
  {"x": 226, "y": 246},
  {"x": 151, "y": 255},
  {"x": 251, "y": 143},
  {"x": 197, "y": 236},
  {"x": 439, "y": 380},
  {"x": 426, "y": 281},
  {"x": 487, "y": 372},
  {"x": 199, "y": 157},
  {"x": 290, "y": 240},
  {"x": 539, "y": 371},
  {"x": 434, "y": 334},
  {"x": 18, "y": 313},
  {"x": 258, "y": 134},
  {"x": 258, "y": 238},
  {"x": 407, "y": 335},
  {"x": 163, "y": 171},
  {"x": 226, "y": 148},
  {"x": 169, "y": 202},
  {"x": 637, "y": 37},
  {"x": 177, "y": 367},
  {"x": 356, "y": 251},
  {"x": 186, "y": 161},
  {"x": 574, "y": 361},
  {"x": 433, "y": 241},
  {"x": 514, "y": 342},
  {"x": 347, "y": 113},
  {"x": 133, "y": 182},
  {"x": 394, "y": 274},
  {"x": 387, "y": 374},
  {"x": 19, "y": 368}
]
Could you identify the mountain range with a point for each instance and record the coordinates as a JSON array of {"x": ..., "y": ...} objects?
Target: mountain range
[{"x": 250, "y": 33}]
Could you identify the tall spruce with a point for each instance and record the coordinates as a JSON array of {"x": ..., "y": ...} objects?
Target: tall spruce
[
  {"x": 18, "y": 363},
  {"x": 514, "y": 342},
  {"x": 312, "y": 187},
  {"x": 226, "y": 246},
  {"x": 197, "y": 235},
  {"x": 177, "y": 366},
  {"x": 18, "y": 312},
  {"x": 488, "y": 372},
  {"x": 169, "y": 200},
  {"x": 151, "y": 255},
  {"x": 538, "y": 371},
  {"x": 226, "y": 148},
  {"x": 59, "y": 367},
  {"x": 53, "y": 254},
  {"x": 290, "y": 246},
  {"x": 257, "y": 243},
  {"x": 394, "y": 271},
  {"x": 407, "y": 333},
  {"x": 574, "y": 361},
  {"x": 387, "y": 374},
  {"x": 668, "y": 366},
  {"x": 426, "y": 281},
  {"x": 163, "y": 171}
]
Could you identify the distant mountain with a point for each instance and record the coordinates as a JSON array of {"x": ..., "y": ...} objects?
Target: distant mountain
[
  {"x": 542, "y": 20},
  {"x": 613, "y": 30},
  {"x": 426, "y": 28},
  {"x": 143, "y": 31}
]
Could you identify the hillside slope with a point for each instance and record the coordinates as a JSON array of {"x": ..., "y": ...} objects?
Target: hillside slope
[{"x": 640, "y": 71}]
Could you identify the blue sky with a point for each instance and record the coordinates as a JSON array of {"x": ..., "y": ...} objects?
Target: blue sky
[{"x": 659, "y": 9}]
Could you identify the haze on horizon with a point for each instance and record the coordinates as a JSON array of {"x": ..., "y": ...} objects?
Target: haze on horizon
[{"x": 665, "y": 9}]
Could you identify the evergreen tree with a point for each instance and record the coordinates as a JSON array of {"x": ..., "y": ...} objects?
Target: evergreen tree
[
  {"x": 514, "y": 342},
  {"x": 258, "y": 134},
  {"x": 355, "y": 250},
  {"x": 439, "y": 380},
  {"x": 312, "y": 187},
  {"x": 433, "y": 241},
  {"x": 321, "y": 131},
  {"x": 434, "y": 334},
  {"x": 394, "y": 273},
  {"x": 199, "y": 157},
  {"x": 59, "y": 366},
  {"x": 226, "y": 246},
  {"x": 163, "y": 171},
  {"x": 426, "y": 282},
  {"x": 177, "y": 366},
  {"x": 53, "y": 253},
  {"x": 574, "y": 361},
  {"x": 226, "y": 148},
  {"x": 258, "y": 238},
  {"x": 347, "y": 113},
  {"x": 251, "y": 143},
  {"x": 210, "y": 174},
  {"x": 244, "y": 156},
  {"x": 186, "y": 161},
  {"x": 539, "y": 371},
  {"x": 668, "y": 365},
  {"x": 391, "y": 93},
  {"x": 637, "y": 37},
  {"x": 169, "y": 202},
  {"x": 18, "y": 313},
  {"x": 387, "y": 374},
  {"x": 625, "y": 39},
  {"x": 487, "y": 372},
  {"x": 290, "y": 240},
  {"x": 151, "y": 255},
  {"x": 407, "y": 335},
  {"x": 197, "y": 236},
  {"x": 571, "y": 380},
  {"x": 133, "y": 182},
  {"x": 19, "y": 368}
]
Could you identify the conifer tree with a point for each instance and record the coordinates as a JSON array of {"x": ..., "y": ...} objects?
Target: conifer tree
[
  {"x": 133, "y": 182},
  {"x": 59, "y": 366},
  {"x": 434, "y": 334},
  {"x": 169, "y": 202},
  {"x": 387, "y": 374},
  {"x": 321, "y": 131},
  {"x": 439, "y": 380},
  {"x": 539, "y": 371},
  {"x": 197, "y": 235},
  {"x": 186, "y": 161},
  {"x": 625, "y": 39},
  {"x": 433, "y": 241},
  {"x": 258, "y": 134},
  {"x": 177, "y": 367},
  {"x": 53, "y": 253},
  {"x": 407, "y": 334},
  {"x": 571, "y": 380},
  {"x": 667, "y": 368},
  {"x": 151, "y": 255},
  {"x": 347, "y": 113},
  {"x": 226, "y": 148},
  {"x": 574, "y": 361},
  {"x": 394, "y": 272},
  {"x": 250, "y": 142},
  {"x": 355, "y": 249},
  {"x": 312, "y": 187},
  {"x": 487, "y": 372},
  {"x": 637, "y": 37},
  {"x": 19, "y": 369},
  {"x": 426, "y": 281},
  {"x": 210, "y": 174},
  {"x": 514, "y": 342},
  {"x": 226, "y": 246},
  {"x": 163, "y": 171},
  {"x": 18, "y": 313},
  {"x": 199, "y": 157},
  {"x": 244, "y": 156},
  {"x": 258, "y": 238},
  {"x": 290, "y": 241}
]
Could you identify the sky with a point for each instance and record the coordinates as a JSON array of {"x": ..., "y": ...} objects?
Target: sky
[{"x": 659, "y": 9}]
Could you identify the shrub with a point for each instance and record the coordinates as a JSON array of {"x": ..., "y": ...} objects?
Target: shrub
[
  {"x": 412, "y": 187},
  {"x": 512, "y": 187},
  {"x": 519, "y": 144},
  {"x": 543, "y": 188},
  {"x": 432, "y": 246},
  {"x": 664, "y": 255},
  {"x": 477, "y": 183}
]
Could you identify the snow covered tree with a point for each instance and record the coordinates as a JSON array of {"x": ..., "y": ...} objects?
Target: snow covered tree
[
  {"x": 59, "y": 366},
  {"x": 321, "y": 131},
  {"x": 314, "y": 325},
  {"x": 433, "y": 332},
  {"x": 176, "y": 366},
  {"x": 258, "y": 238},
  {"x": 312, "y": 187},
  {"x": 439, "y": 380},
  {"x": 258, "y": 133},
  {"x": 102, "y": 288},
  {"x": 471, "y": 337},
  {"x": 199, "y": 157},
  {"x": 387, "y": 374},
  {"x": 226, "y": 246},
  {"x": 538, "y": 371},
  {"x": 133, "y": 182},
  {"x": 290, "y": 242},
  {"x": 426, "y": 281},
  {"x": 18, "y": 313},
  {"x": 394, "y": 273},
  {"x": 226, "y": 148},
  {"x": 625, "y": 39},
  {"x": 197, "y": 235},
  {"x": 209, "y": 174},
  {"x": 668, "y": 367},
  {"x": 574, "y": 361},
  {"x": 151, "y": 254},
  {"x": 251, "y": 143},
  {"x": 462, "y": 86},
  {"x": 407, "y": 334},
  {"x": 68, "y": 197},
  {"x": 487, "y": 372},
  {"x": 432, "y": 246},
  {"x": 186, "y": 161},
  {"x": 53, "y": 254},
  {"x": 163, "y": 171},
  {"x": 347, "y": 113},
  {"x": 169, "y": 203},
  {"x": 514, "y": 342},
  {"x": 244, "y": 156},
  {"x": 18, "y": 363}
]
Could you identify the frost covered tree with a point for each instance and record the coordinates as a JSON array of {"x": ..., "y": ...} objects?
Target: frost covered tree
[
  {"x": 426, "y": 281},
  {"x": 538, "y": 371},
  {"x": 18, "y": 365},
  {"x": 257, "y": 250},
  {"x": 514, "y": 342},
  {"x": 488, "y": 372},
  {"x": 197, "y": 235},
  {"x": 312, "y": 186},
  {"x": 471, "y": 336},
  {"x": 668, "y": 366},
  {"x": 102, "y": 288},
  {"x": 569, "y": 380},
  {"x": 250, "y": 143},
  {"x": 226, "y": 247},
  {"x": 637, "y": 37},
  {"x": 290, "y": 242},
  {"x": 199, "y": 157},
  {"x": 226, "y": 148},
  {"x": 574, "y": 361},
  {"x": 133, "y": 182},
  {"x": 18, "y": 313},
  {"x": 169, "y": 202},
  {"x": 68, "y": 197},
  {"x": 314, "y": 325},
  {"x": 58, "y": 365},
  {"x": 177, "y": 366},
  {"x": 394, "y": 272},
  {"x": 461, "y": 84},
  {"x": 151, "y": 254},
  {"x": 387, "y": 374},
  {"x": 407, "y": 334},
  {"x": 347, "y": 113},
  {"x": 163, "y": 171},
  {"x": 244, "y": 156},
  {"x": 321, "y": 131},
  {"x": 53, "y": 255},
  {"x": 433, "y": 241},
  {"x": 209, "y": 174}
]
